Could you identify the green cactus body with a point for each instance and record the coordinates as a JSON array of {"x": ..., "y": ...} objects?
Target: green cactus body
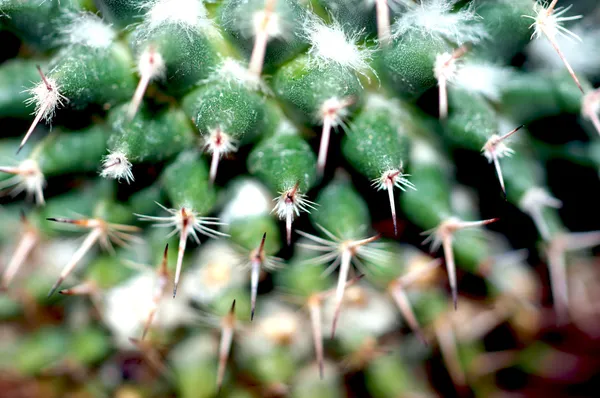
[
  {"x": 308, "y": 86},
  {"x": 195, "y": 378},
  {"x": 375, "y": 144},
  {"x": 247, "y": 233},
  {"x": 230, "y": 107},
  {"x": 107, "y": 273},
  {"x": 237, "y": 19},
  {"x": 508, "y": 31},
  {"x": 472, "y": 120},
  {"x": 185, "y": 181},
  {"x": 342, "y": 210},
  {"x": 528, "y": 97},
  {"x": 430, "y": 204},
  {"x": 282, "y": 161},
  {"x": 407, "y": 65},
  {"x": 357, "y": 15},
  {"x": 146, "y": 138},
  {"x": 303, "y": 277},
  {"x": 15, "y": 76},
  {"x": 87, "y": 76},
  {"x": 42, "y": 348},
  {"x": 388, "y": 377},
  {"x": 120, "y": 12},
  {"x": 187, "y": 53},
  {"x": 89, "y": 346},
  {"x": 38, "y": 24},
  {"x": 71, "y": 152},
  {"x": 144, "y": 201}
]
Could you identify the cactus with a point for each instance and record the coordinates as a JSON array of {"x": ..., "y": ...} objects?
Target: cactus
[{"x": 258, "y": 133}]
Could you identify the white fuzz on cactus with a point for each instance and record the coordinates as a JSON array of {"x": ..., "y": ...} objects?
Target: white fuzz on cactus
[
  {"x": 437, "y": 19},
  {"x": 188, "y": 14},
  {"x": 27, "y": 177},
  {"x": 115, "y": 165},
  {"x": 482, "y": 78},
  {"x": 47, "y": 99},
  {"x": 233, "y": 72},
  {"x": 89, "y": 30},
  {"x": 444, "y": 69},
  {"x": 218, "y": 143},
  {"x": 289, "y": 205},
  {"x": 330, "y": 43},
  {"x": 495, "y": 148}
]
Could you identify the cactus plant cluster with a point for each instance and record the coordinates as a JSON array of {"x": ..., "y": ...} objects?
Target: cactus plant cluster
[{"x": 258, "y": 134}]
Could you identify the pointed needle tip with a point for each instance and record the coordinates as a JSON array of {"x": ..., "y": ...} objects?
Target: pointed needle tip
[{"x": 53, "y": 289}]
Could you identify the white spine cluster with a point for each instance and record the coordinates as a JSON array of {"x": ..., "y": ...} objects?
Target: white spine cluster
[
  {"x": 87, "y": 29},
  {"x": 116, "y": 165},
  {"x": 437, "y": 19},
  {"x": 331, "y": 44},
  {"x": 188, "y": 14}
]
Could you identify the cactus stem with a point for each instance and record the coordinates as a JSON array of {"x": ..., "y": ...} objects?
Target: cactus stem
[
  {"x": 547, "y": 22},
  {"x": 163, "y": 278},
  {"x": 495, "y": 148},
  {"x": 445, "y": 69},
  {"x": 442, "y": 236},
  {"x": 150, "y": 66},
  {"x": 27, "y": 177},
  {"x": 100, "y": 231},
  {"x": 225, "y": 344},
  {"x": 27, "y": 243}
]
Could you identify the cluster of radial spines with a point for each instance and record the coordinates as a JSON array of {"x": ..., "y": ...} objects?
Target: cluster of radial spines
[
  {"x": 101, "y": 232},
  {"x": 187, "y": 223},
  {"x": 441, "y": 236},
  {"x": 289, "y": 204},
  {"x": 547, "y": 21},
  {"x": 389, "y": 179},
  {"x": 26, "y": 177},
  {"x": 115, "y": 165}
]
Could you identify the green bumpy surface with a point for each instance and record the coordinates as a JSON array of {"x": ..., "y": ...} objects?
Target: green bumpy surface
[
  {"x": 185, "y": 181},
  {"x": 472, "y": 120},
  {"x": 231, "y": 107},
  {"x": 306, "y": 85},
  {"x": 80, "y": 151},
  {"x": 15, "y": 76},
  {"x": 190, "y": 55},
  {"x": 149, "y": 137},
  {"x": 374, "y": 143},
  {"x": 407, "y": 66},
  {"x": 342, "y": 211},
  {"x": 282, "y": 161},
  {"x": 247, "y": 232}
]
